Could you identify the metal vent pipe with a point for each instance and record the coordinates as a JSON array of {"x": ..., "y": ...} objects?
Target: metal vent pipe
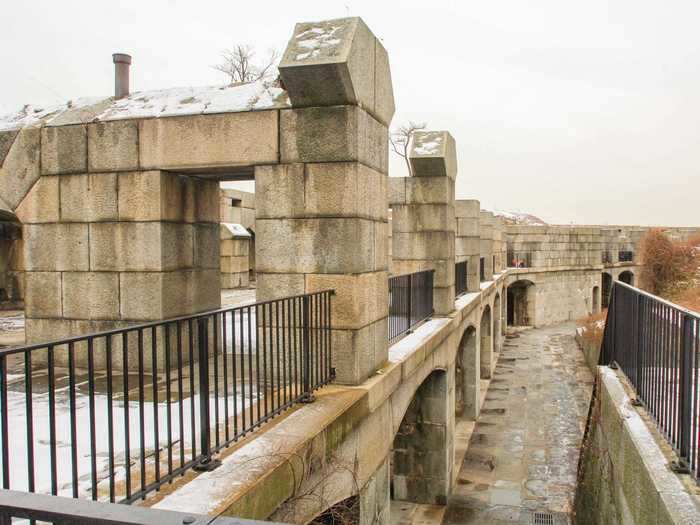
[{"x": 122, "y": 62}]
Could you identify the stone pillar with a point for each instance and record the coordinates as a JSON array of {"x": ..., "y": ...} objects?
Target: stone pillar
[
  {"x": 498, "y": 244},
  {"x": 486, "y": 220},
  {"x": 321, "y": 213},
  {"x": 375, "y": 497},
  {"x": 467, "y": 241},
  {"x": 423, "y": 450},
  {"x": 234, "y": 256},
  {"x": 423, "y": 214}
]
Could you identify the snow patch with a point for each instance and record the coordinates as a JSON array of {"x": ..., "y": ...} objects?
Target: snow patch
[
  {"x": 427, "y": 143},
  {"x": 316, "y": 40},
  {"x": 520, "y": 218},
  {"x": 30, "y": 116}
]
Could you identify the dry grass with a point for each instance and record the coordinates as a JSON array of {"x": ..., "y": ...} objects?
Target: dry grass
[{"x": 593, "y": 327}]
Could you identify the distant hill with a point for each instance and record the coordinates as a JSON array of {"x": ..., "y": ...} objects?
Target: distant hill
[{"x": 520, "y": 218}]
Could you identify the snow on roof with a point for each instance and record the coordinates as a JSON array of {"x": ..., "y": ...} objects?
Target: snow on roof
[
  {"x": 251, "y": 96},
  {"x": 520, "y": 218}
]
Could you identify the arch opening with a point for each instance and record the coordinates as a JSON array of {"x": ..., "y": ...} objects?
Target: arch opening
[
  {"x": 421, "y": 462},
  {"x": 467, "y": 376},
  {"x": 521, "y": 303},
  {"x": 606, "y": 282},
  {"x": 627, "y": 277},
  {"x": 595, "y": 300},
  {"x": 486, "y": 344},
  {"x": 10, "y": 249},
  {"x": 497, "y": 320}
]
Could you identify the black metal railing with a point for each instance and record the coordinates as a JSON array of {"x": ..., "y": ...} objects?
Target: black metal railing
[
  {"x": 461, "y": 277},
  {"x": 657, "y": 345},
  {"x": 410, "y": 301},
  {"x": 62, "y": 511},
  {"x": 519, "y": 259},
  {"x": 117, "y": 414},
  {"x": 607, "y": 257},
  {"x": 482, "y": 269},
  {"x": 625, "y": 256}
]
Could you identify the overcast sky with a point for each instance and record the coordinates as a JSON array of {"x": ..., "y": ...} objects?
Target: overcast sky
[{"x": 585, "y": 112}]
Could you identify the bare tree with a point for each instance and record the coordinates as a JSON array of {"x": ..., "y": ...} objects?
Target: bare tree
[
  {"x": 240, "y": 66},
  {"x": 401, "y": 140}
]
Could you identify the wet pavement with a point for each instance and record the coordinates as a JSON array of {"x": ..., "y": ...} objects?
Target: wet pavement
[{"x": 523, "y": 453}]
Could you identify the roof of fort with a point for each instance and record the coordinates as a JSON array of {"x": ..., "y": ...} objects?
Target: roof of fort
[{"x": 252, "y": 96}]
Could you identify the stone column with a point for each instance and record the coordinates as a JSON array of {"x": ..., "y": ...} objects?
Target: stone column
[
  {"x": 486, "y": 220},
  {"x": 499, "y": 244},
  {"x": 234, "y": 256},
  {"x": 467, "y": 242},
  {"x": 423, "y": 214},
  {"x": 321, "y": 213}
]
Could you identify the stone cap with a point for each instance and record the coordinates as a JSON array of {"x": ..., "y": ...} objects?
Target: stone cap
[
  {"x": 229, "y": 230},
  {"x": 338, "y": 62},
  {"x": 433, "y": 154}
]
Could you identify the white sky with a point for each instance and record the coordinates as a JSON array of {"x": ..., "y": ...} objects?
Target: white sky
[{"x": 584, "y": 112}]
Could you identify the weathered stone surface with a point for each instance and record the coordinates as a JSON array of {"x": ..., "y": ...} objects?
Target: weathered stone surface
[
  {"x": 88, "y": 198},
  {"x": 397, "y": 190},
  {"x": 321, "y": 190},
  {"x": 356, "y": 354},
  {"x": 21, "y": 167},
  {"x": 206, "y": 246},
  {"x": 41, "y": 203},
  {"x": 343, "y": 245},
  {"x": 56, "y": 247},
  {"x": 422, "y": 218},
  {"x": 277, "y": 285},
  {"x": 90, "y": 295},
  {"x": 359, "y": 299},
  {"x": 338, "y": 62},
  {"x": 468, "y": 227},
  {"x": 113, "y": 146},
  {"x": 209, "y": 141},
  {"x": 423, "y": 245},
  {"x": 141, "y": 246},
  {"x": 433, "y": 154},
  {"x": 43, "y": 294},
  {"x": 337, "y": 133},
  {"x": 429, "y": 190},
  {"x": 7, "y": 138},
  {"x": 63, "y": 150},
  {"x": 468, "y": 208}
]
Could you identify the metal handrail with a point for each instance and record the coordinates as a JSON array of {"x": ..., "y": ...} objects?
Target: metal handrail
[
  {"x": 656, "y": 343},
  {"x": 165, "y": 396},
  {"x": 410, "y": 301}
]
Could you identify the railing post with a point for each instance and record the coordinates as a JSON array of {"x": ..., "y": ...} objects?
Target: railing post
[
  {"x": 686, "y": 391},
  {"x": 206, "y": 463},
  {"x": 410, "y": 303},
  {"x": 307, "y": 396}
]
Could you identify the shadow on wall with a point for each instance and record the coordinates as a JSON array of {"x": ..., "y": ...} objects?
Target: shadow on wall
[{"x": 521, "y": 303}]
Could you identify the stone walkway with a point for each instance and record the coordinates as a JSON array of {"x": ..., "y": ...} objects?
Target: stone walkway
[{"x": 523, "y": 453}]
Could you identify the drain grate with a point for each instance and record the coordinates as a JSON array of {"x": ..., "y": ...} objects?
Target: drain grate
[{"x": 542, "y": 518}]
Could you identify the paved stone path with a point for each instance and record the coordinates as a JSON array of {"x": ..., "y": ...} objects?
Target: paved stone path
[{"x": 523, "y": 453}]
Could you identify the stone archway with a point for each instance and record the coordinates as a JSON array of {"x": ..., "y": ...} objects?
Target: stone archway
[
  {"x": 486, "y": 344},
  {"x": 606, "y": 287},
  {"x": 627, "y": 277},
  {"x": 10, "y": 249},
  {"x": 497, "y": 321},
  {"x": 467, "y": 376},
  {"x": 422, "y": 449},
  {"x": 521, "y": 303},
  {"x": 595, "y": 300}
]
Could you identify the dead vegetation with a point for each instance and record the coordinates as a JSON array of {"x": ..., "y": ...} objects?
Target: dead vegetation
[
  {"x": 671, "y": 268},
  {"x": 592, "y": 327}
]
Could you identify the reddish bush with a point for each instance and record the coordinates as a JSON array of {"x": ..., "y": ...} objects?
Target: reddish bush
[
  {"x": 593, "y": 327},
  {"x": 668, "y": 266}
]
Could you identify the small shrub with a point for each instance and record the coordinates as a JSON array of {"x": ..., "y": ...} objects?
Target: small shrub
[{"x": 668, "y": 266}]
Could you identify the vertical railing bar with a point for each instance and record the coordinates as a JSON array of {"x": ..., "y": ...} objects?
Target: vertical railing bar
[
  {"x": 224, "y": 359},
  {"x": 142, "y": 414},
  {"x": 91, "y": 404},
  {"x": 73, "y": 425},
  {"x": 127, "y": 430},
  {"x": 250, "y": 369},
  {"x": 215, "y": 351},
  {"x": 257, "y": 368},
  {"x": 52, "y": 420},
  {"x": 234, "y": 376},
  {"x": 242, "y": 373},
  {"x": 193, "y": 416},
  {"x": 278, "y": 305},
  {"x": 263, "y": 326},
  {"x": 154, "y": 386},
  {"x": 4, "y": 410},
  {"x": 180, "y": 397},
  {"x": 110, "y": 417},
  {"x": 29, "y": 414},
  {"x": 168, "y": 400}
]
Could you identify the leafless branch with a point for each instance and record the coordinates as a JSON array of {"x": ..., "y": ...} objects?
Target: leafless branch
[
  {"x": 401, "y": 140},
  {"x": 240, "y": 66}
]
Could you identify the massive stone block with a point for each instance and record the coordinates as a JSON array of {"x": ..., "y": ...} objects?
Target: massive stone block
[
  {"x": 88, "y": 198},
  {"x": 43, "y": 294},
  {"x": 433, "y": 154},
  {"x": 209, "y": 141},
  {"x": 41, "y": 204},
  {"x": 337, "y": 133},
  {"x": 56, "y": 247},
  {"x": 113, "y": 146},
  {"x": 20, "y": 168},
  {"x": 90, "y": 295},
  {"x": 63, "y": 149},
  {"x": 338, "y": 62}
]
